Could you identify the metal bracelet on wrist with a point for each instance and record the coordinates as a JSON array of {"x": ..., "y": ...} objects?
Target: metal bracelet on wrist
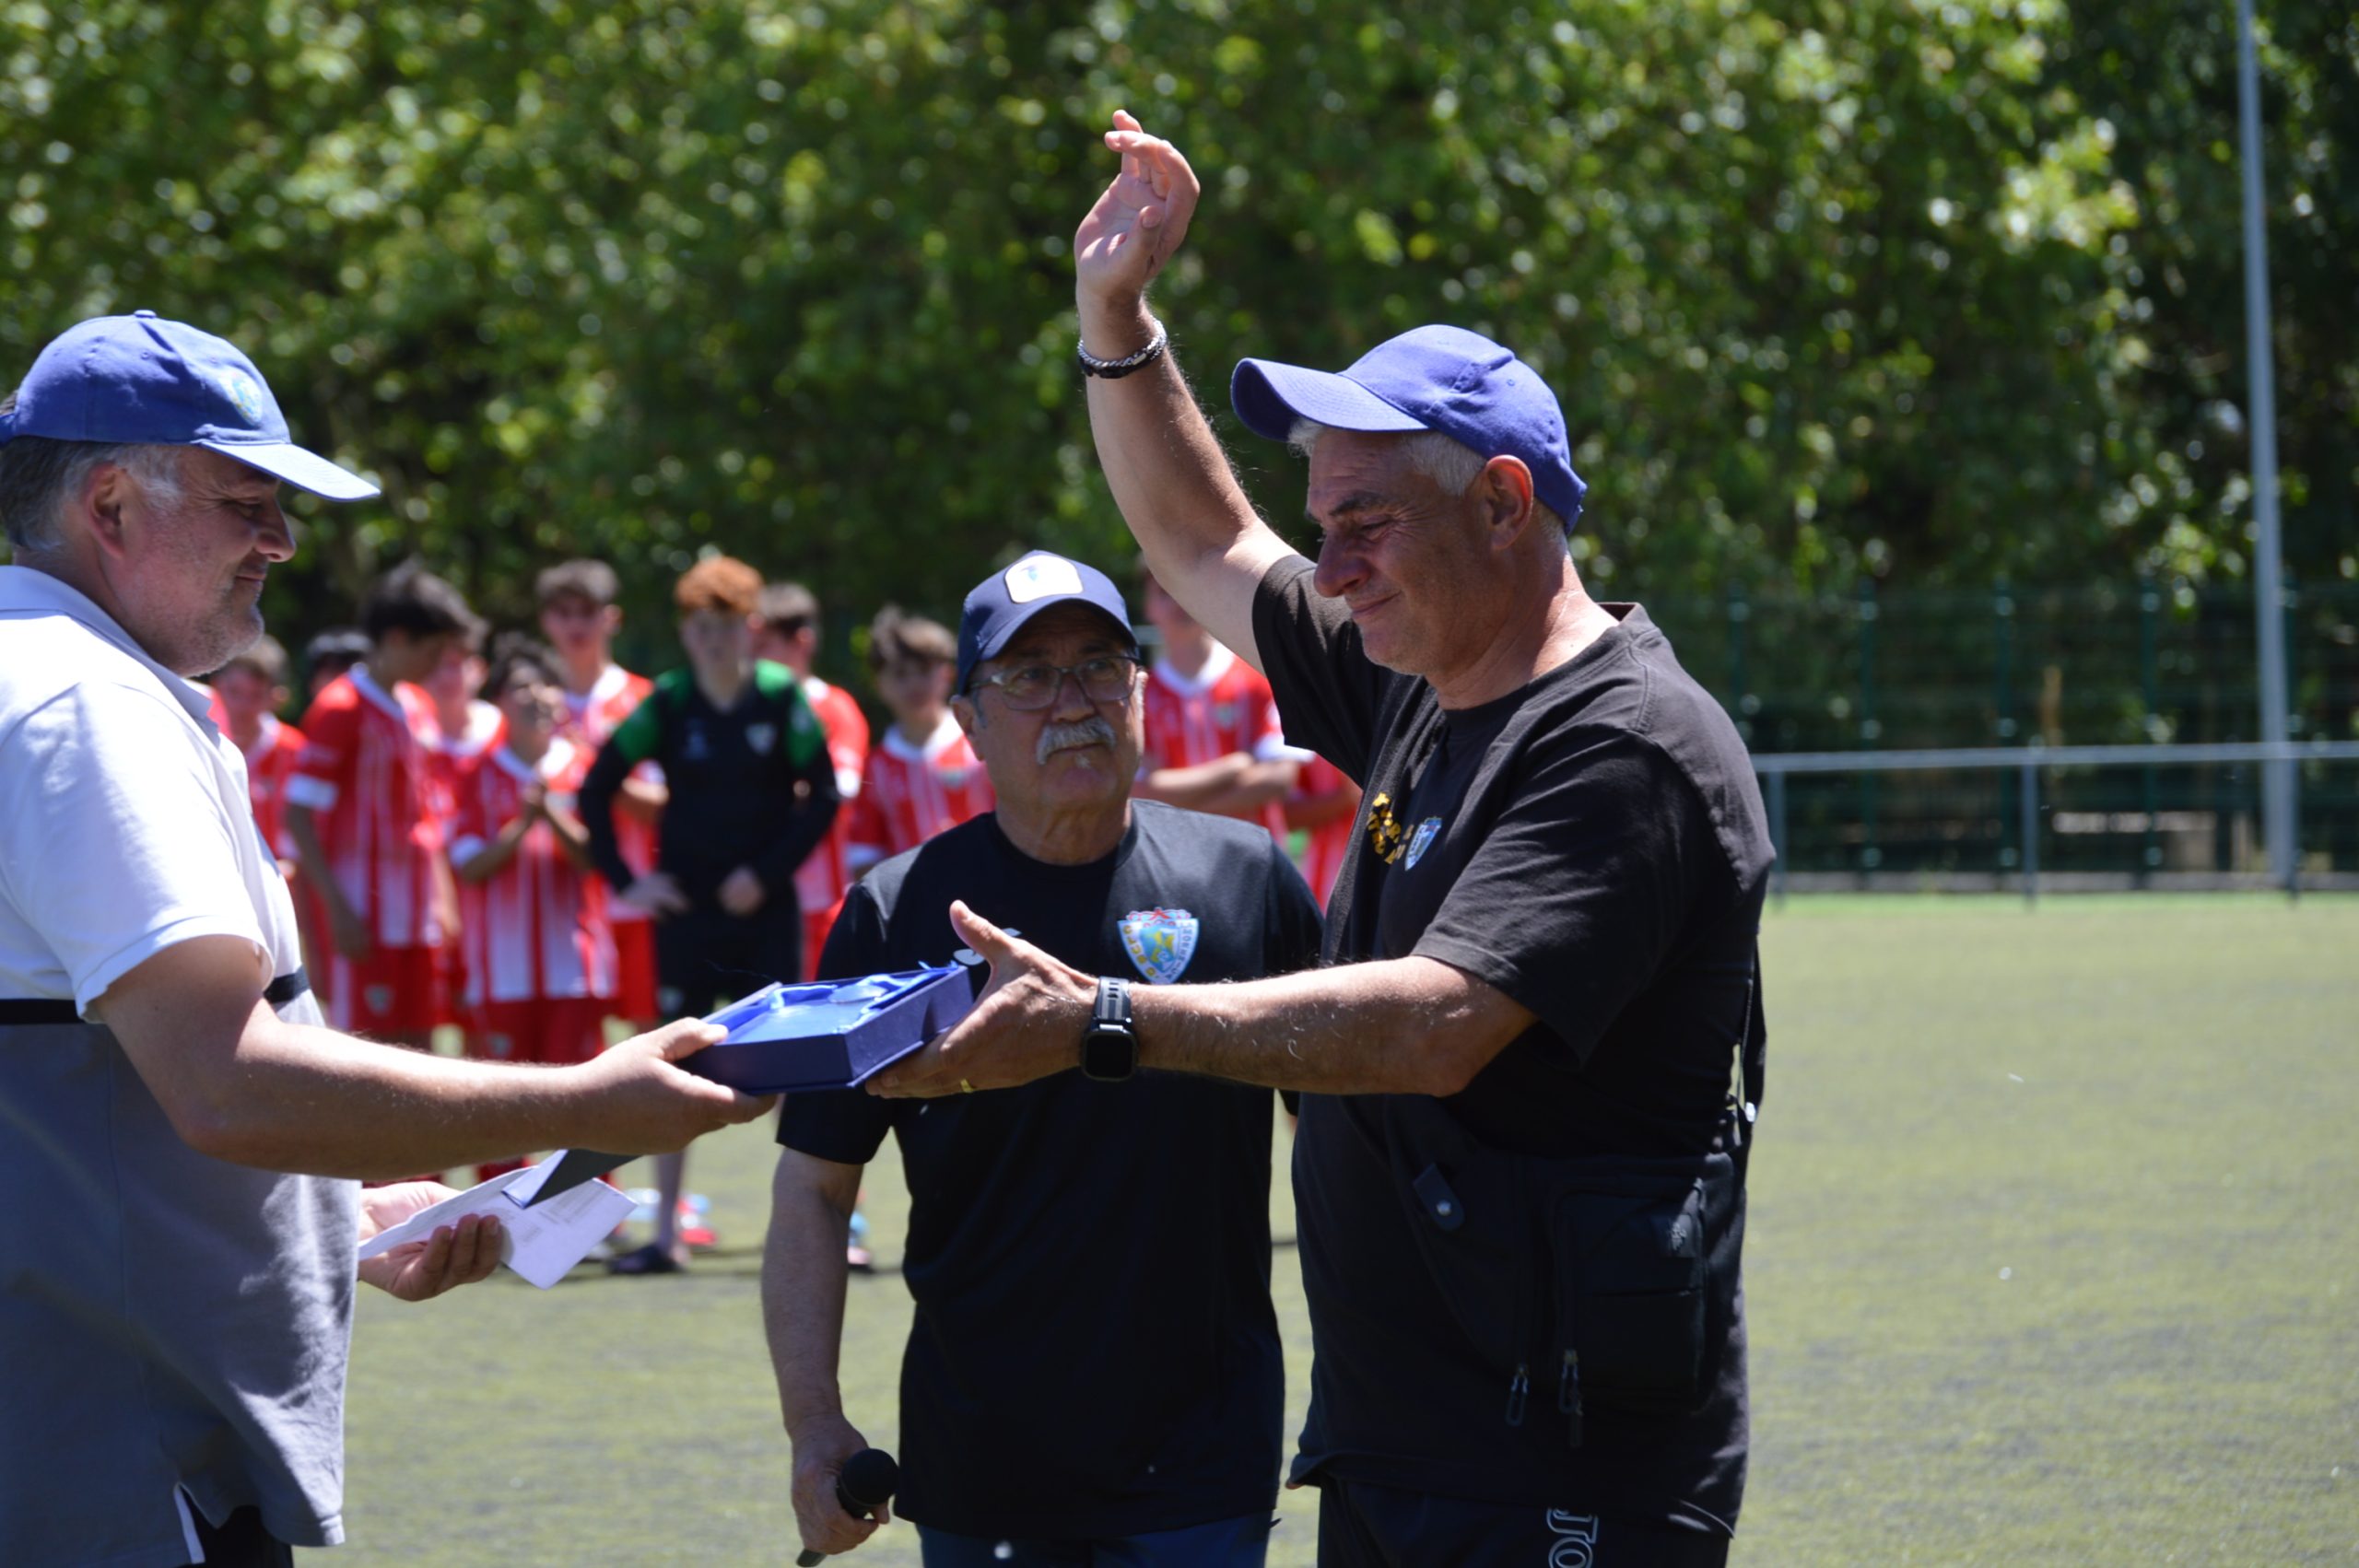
[{"x": 1115, "y": 370}]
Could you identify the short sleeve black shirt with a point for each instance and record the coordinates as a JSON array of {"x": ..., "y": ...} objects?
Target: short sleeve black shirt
[
  {"x": 1093, "y": 1352},
  {"x": 1592, "y": 846}
]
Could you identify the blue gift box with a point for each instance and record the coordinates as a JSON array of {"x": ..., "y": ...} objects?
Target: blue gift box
[{"x": 831, "y": 1035}]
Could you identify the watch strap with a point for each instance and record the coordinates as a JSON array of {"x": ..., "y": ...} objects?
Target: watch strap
[{"x": 1113, "y": 1009}]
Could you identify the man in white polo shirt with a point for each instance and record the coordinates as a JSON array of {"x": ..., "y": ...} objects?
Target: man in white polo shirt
[{"x": 177, "y": 1308}]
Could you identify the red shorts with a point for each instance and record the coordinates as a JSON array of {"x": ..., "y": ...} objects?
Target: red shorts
[
  {"x": 634, "y": 999},
  {"x": 557, "y": 1030},
  {"x": 392, "y": 991}
]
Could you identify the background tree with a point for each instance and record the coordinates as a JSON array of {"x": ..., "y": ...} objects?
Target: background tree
[{"x": 1915, "y": 291}]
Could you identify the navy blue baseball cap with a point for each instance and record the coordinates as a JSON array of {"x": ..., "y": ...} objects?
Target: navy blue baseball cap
[
  {"x": 142, "y": 380},
  {"x": 1435, "y": 377},
  {"x": 1004, "y": 601}
]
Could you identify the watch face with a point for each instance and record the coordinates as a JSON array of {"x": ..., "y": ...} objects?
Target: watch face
[{"x": 1108, "y": 1055}]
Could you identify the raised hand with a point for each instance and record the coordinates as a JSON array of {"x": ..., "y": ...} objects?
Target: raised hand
[{"x": 1135, "y": 227}]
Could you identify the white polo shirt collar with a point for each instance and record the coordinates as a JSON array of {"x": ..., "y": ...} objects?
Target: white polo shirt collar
[{"x": 25, "y": 591}]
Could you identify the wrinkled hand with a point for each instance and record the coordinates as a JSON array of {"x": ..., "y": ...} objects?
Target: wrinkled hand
[
  {"x": 454, "y": 1255},
  {"x": 656, "y": 892},
  {"x": 820, "y": 1450},
  {"x": 1028, "y": 1024},
  {"x": 742, "y": 893},
  {"x": 1136, "y": 225},
  {"x": 638, "y": 1102}
]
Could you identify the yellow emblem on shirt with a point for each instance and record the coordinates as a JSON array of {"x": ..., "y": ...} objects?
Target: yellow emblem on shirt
[{"x": 1383, "y": 830}]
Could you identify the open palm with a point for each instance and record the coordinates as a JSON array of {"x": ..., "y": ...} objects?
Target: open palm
[{"x": 1139, "y": 220}]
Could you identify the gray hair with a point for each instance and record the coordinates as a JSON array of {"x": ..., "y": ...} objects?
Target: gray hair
[
  {"x": 1445, "y": 460},
  {"x": 40, "y": 475}
]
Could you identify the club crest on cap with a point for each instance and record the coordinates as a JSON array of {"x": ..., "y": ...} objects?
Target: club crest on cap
[
  {"x": 1160, "y": 942},
  {"x": 243, "y": 395},
  {"x": 1041, "y": 576}
]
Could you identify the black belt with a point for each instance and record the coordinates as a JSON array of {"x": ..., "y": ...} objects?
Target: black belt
[{"x": 21, "y": 1012}]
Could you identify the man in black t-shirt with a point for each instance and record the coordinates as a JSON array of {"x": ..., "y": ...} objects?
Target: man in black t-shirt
[
  {"x": 1092, "y": 1373},
  {"x": 1519, "y": 1176}
]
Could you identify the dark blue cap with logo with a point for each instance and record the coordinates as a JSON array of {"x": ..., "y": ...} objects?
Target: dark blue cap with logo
[
  {"x": 1004, "y": 601},
  {"x": 1435, "y": 378},
  {"x": 143, "y": 381}
]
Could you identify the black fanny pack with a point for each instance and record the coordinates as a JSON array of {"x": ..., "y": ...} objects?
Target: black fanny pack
[
  {"x": 27, "y": 1012},
  {"x": 1603, "y": 1285}
]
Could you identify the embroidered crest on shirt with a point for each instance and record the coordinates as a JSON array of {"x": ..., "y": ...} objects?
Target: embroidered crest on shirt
[
  {"x": 761, "y": 737},
  {"x": 1160, "y": 942},
  {"x": 1428, "y": 831}
]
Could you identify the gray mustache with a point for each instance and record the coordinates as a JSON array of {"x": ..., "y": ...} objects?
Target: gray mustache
[{"x": 1092, "y": 731}]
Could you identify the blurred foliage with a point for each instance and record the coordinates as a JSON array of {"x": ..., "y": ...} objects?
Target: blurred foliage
[{"x": 1925, "y": 291}]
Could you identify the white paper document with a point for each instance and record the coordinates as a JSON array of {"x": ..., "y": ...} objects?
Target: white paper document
[{"x": 542, "y": 1243}]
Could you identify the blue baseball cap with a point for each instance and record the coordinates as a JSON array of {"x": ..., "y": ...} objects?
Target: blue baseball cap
[
  {"x": 142, "y": 380},
  {"x": 1435, "y": 378},
  {"x": 1004, "y": 601}
]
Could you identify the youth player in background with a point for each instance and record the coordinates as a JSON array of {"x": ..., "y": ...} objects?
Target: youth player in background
[
  {"x": 247, "y": 692},
  {"x": 751, "y": 790},
  {"x": 579, "y": 616},
  {"x": 540, "y": 963},
  {"x": 329, "y": 654},
  {"x": 786, "y": 631},
  {"x": 361, "y": 812},
  {"x": 922, "y": 777},
  {"x": 1213, "y": 741},
  {"x": 463, "y": 731}
]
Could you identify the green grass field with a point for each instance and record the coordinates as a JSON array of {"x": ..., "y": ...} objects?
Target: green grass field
[{"x": 2054, "y": 1259}]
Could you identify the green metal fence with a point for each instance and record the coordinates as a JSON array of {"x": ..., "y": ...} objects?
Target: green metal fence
[{"x": 2100, "y": 665}]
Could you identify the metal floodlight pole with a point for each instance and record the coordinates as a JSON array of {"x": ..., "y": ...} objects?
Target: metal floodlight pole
[{"x": 2277, "y": 775}]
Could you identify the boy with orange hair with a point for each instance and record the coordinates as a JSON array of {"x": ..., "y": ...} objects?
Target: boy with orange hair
[
  {"x": 540, "y": 957},
  {"x": 751, "y": 790}
]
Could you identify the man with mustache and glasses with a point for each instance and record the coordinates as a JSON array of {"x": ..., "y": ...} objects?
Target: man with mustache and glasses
[{"x": 1092, "y": 1373}]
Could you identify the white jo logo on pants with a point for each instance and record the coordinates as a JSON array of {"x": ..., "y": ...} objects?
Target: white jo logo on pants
[{"x": 1576, "y": 1542}]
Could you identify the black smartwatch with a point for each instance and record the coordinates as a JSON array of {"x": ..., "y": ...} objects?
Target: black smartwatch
[{"x": 1109, "y": 1051}]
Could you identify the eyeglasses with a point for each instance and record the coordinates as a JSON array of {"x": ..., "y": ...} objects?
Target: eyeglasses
[{"x": 1031, "y": 687}]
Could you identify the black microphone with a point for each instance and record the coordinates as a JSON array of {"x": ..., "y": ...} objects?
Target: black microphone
[{"x": 866, "y": 1484}]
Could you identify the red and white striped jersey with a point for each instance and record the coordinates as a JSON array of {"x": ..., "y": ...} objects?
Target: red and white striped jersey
[
  {"x": 272, "y": 760},
  {"x": 449, "y": 756},
  {"x": 820, "y": 880},
  {"x": 364, "y": 773},
  {"x": 1225, "y": 708},
  {"x": 1324, "y": 847},
  {"x": 592, "y": 715},
  {"x": 535, "y": 928},
  {"x": 911, "y": 793}
]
